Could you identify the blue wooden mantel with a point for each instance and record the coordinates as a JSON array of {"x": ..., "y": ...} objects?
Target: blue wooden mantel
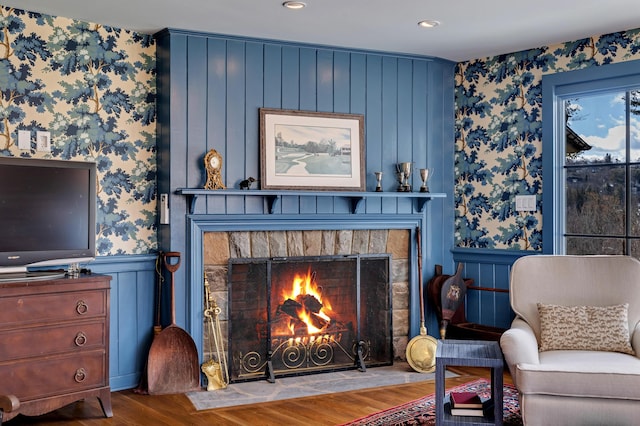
[{"x": 273, "y": 197}]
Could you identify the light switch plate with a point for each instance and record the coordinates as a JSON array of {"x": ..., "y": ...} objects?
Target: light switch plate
[
  {"x": 525, "y": 203},
  {"x": 164, "y": 209},
  {"x": 43, "y": 141},
  {"x": 24, "y": 139}
]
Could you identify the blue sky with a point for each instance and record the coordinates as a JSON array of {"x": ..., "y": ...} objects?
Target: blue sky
[{"x": 600, "y": 121}]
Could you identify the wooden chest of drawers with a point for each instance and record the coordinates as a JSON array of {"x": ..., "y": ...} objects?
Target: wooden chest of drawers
[{"x": 54, "y": 343}]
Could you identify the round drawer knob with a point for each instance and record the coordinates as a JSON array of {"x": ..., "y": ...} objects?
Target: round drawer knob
[
  {"x": 81, "y": 339},
  {"x": 81, "y": 375},
  {"x": 81, "y": 307}
]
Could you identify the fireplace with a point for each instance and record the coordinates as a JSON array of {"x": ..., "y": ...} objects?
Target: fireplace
[
  {"x": 223, "y": 250},
  {"x": 291, "y": 316}
]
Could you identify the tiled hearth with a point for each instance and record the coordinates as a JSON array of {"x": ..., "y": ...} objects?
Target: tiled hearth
[{"x": 220, "y": 246}]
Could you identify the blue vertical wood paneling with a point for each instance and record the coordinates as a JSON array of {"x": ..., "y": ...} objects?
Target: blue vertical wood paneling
[
  {"x": 419, "y": 117},
  {"x": 341, "y": 80},
  {"x": 324, "y": 80},
  {"x": 196, "y": 109},
  {"x": 273, "y": 70},
  {"x": 440, "y": 153},
  {"x": 255, "y": 90},
  {"x": 358, "y": 83},
  {"x": 290, "y": 78},
  {"x": 373, "y": 110},
  {"x": 235, "y": 119},
  {"x": 216, "y": 110},
  {"x": 126, "y": 297},
  {"x": 132, "y": 315},
  {"x": 503, "y": 314},
  {"x": 308, "y": 79},
  {"x": 488, "y": 268}
]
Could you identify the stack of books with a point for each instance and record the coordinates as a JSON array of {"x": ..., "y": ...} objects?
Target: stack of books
[{"x": 469, "y": 404}]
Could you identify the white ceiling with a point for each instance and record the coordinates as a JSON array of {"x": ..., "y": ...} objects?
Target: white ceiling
[{"x": 470, "y": 29}]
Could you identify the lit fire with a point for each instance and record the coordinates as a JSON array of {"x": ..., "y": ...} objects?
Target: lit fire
[{"x": 304, "y": 303}]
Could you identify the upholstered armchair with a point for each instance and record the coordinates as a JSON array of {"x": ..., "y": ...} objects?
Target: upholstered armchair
[{"x": 573, "y": 346}]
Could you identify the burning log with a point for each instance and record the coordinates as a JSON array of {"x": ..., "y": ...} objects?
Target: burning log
[
  {"x": 317, "y": 321},
  {"x": 290, "y": 307},
  {"x": 310, "y": 302},
  {"x": 306, "y": 311},
  {"x": 303, "y": 302}
]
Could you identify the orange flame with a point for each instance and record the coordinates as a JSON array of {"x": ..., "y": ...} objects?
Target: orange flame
[{"x": 305, "y": 285}]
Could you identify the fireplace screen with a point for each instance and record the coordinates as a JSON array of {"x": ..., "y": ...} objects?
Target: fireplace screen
[{"x": 292, "y": 316}]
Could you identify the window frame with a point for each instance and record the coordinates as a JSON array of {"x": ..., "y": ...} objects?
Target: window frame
[{"x": 556, "y": 88}]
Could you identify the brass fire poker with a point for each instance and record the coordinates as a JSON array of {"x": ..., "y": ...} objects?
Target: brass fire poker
[{"x": 216, "y": 371}]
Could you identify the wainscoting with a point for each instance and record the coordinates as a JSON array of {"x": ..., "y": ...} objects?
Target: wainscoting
[
  {"x": 132, "y": 316},
  {"x": 133, "y": 295},
  {"x": 488, "y": 268}
]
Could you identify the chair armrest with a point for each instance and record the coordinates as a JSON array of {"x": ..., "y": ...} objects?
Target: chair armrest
[
  {"x": 519, "y": 345},
  {"x": 635, "y": 339}
]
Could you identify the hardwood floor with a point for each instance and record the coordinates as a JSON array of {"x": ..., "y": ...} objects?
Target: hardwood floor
[{"x": 333, "y": 409}]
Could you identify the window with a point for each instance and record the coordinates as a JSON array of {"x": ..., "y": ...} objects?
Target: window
[
  {"x": 591, "y": 161},
  {"x": 602, "y": 174}
]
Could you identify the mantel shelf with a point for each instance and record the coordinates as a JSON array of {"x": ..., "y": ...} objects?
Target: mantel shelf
[{"x": 273, "y": 197}]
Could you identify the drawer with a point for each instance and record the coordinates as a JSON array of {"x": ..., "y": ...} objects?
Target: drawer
[
  {"x": 40, "y": 378},
  {"x": 54, "y": 339},
  {"x": 51, "y": 307}
]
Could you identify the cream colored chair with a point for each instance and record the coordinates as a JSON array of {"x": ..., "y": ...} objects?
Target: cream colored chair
[{"x": 576, "y": 316}]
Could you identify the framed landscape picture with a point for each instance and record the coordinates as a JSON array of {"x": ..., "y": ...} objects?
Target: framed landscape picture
[{"x": 308, "y": 150}]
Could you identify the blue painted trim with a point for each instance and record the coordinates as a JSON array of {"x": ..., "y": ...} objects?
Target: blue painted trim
[
  {"x": 495, "y": 257},
  {"x": 273, "y": 197},
  {"x": 176, "y": 31},
  {"x": 121, "y": 263},
  {"x": 556, "y": 88}
]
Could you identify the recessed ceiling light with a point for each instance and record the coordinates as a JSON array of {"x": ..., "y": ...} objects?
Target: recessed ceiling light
[
  {"x": 294, "y": 4},
  {"x": 428, "y": 23}
]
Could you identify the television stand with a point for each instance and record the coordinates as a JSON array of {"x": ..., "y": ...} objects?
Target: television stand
[{"x": 54, "y": 343}]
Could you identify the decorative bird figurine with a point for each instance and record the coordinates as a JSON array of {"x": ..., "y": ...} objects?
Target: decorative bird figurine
[{"x": 246, "y": 184}]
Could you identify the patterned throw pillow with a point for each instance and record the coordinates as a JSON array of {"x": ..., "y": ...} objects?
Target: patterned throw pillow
[{"x": 587, "y": 328}]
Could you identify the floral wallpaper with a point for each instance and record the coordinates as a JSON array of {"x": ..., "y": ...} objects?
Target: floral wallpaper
[
  {"x": 93, "y": 88},
  {"x": 498, "y": 128}
]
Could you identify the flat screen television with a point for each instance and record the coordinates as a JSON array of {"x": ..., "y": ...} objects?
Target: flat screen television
[{"x": 47, "y": 216}]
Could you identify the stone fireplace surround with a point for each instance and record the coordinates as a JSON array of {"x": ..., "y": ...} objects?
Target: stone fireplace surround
[
  {"x": 214, "y": 239},
  {"x": 219, "y": 247}
]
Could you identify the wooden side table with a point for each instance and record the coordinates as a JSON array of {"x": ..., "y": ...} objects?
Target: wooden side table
[{"x": 469, "y": 353}]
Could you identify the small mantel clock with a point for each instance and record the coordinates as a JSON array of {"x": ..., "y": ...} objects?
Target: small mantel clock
[{"x": 213, "y": 165}]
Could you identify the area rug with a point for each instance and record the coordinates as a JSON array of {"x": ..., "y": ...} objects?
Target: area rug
[
  {"x": 309, "y": 385},
  {"x": 422, "y": 411}
]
